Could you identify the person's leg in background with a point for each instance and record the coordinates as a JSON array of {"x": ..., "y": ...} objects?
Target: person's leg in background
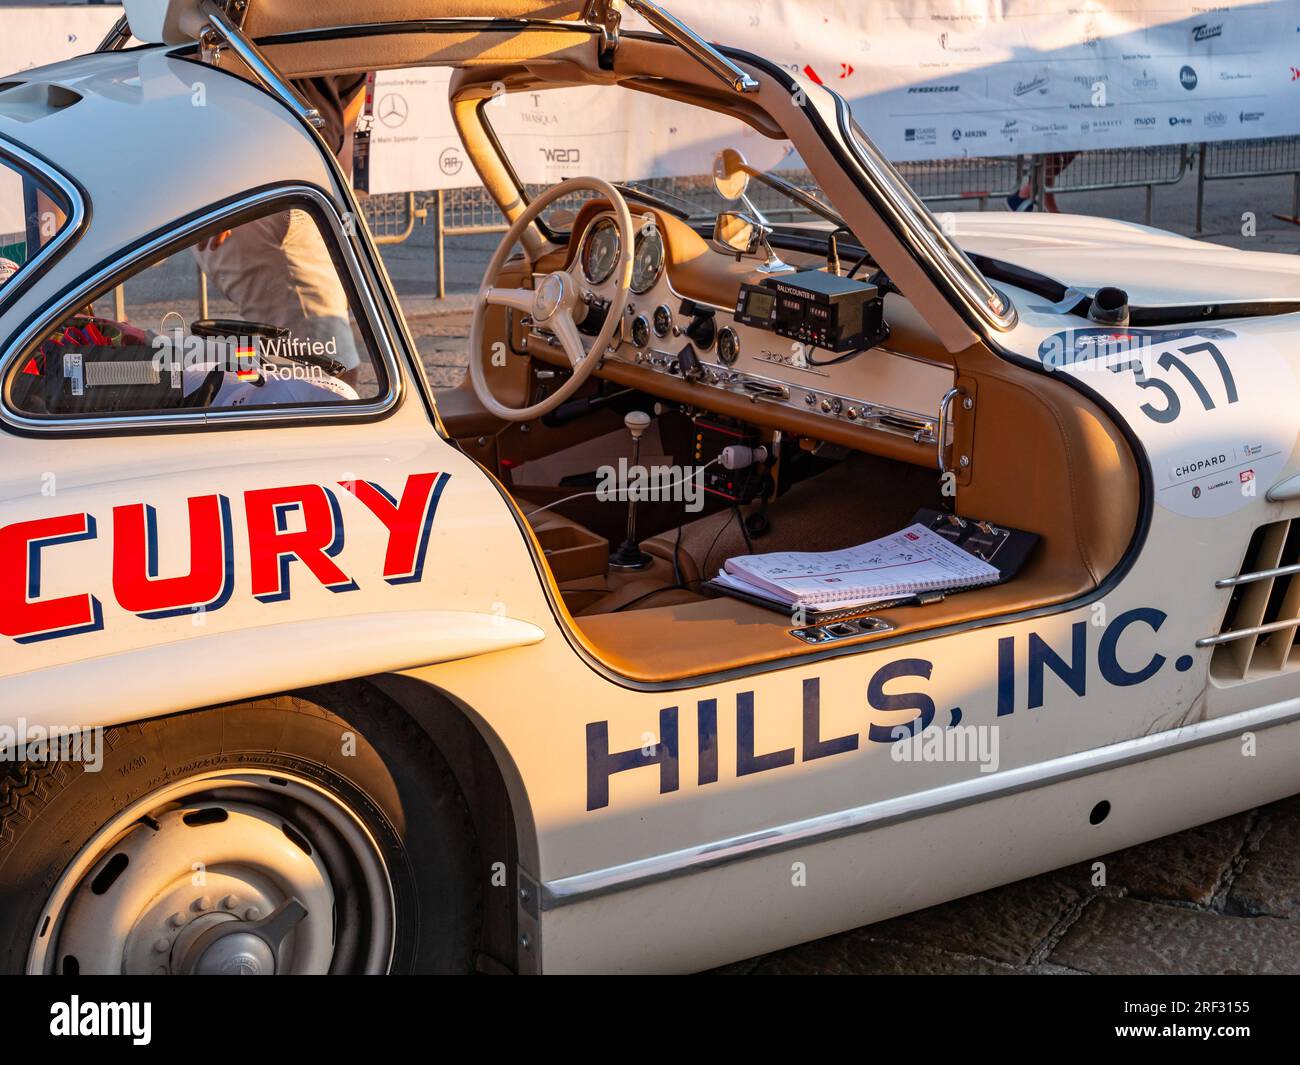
[{"x": 1053, "y": 165}]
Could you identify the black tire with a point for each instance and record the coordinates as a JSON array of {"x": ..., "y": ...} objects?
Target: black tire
[{"x": 393, "y": 779}]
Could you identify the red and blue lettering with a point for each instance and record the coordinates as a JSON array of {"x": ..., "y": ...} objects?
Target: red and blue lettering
[
  {"x": 23, "y": 614},
  {"x": 408, "y": 522},
  {"x": 211, "y": 576},
  {"x": 272, "y": 546}
]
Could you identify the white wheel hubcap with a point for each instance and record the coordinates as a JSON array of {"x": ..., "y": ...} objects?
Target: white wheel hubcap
[{"x": 234, "y": 873}]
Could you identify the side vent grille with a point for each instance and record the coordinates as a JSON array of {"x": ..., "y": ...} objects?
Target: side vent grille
[{"x": 1260, "y": 633}]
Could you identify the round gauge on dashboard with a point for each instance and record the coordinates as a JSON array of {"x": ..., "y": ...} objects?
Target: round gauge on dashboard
[
  {"x": 663, "y": 320},
  {"x": 728, "y": 345},
  {"x": 600, "y": 251},
  {"x": 640, "y": 331},
  {"x": 647, "y": 259}
]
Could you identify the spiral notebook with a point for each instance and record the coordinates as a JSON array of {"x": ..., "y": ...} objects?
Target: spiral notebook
[{"x": 910, "y": 562}]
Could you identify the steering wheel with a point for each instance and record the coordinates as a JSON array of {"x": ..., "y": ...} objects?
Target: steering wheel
[{"x": 552, "y": 303}]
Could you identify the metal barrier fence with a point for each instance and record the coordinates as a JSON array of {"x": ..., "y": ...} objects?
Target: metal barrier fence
[
  {"x": 1120, "y": 168},
  {"x": 979, "y": 179},
  {"x": 460, "y": 212},
  {"x": 1268, "y": 157}
]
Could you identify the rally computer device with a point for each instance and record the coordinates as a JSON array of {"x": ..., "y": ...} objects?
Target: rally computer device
[{"x": 822, "y": 309}]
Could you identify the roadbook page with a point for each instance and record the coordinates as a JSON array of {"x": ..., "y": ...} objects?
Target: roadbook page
[{"x": 904, "y": 563}]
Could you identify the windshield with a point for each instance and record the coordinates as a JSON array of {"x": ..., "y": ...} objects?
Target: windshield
[
  {"x": 666, "y": 148},
  {"x": 32, "y": 214},
  {"x": 659, "y": 146}
]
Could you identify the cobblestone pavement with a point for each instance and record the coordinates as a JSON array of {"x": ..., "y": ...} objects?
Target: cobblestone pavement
[{"x": 1222, "y": 898}]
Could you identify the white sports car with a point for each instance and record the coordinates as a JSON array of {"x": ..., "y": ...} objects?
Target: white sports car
[{"x": 305, "y": 667}]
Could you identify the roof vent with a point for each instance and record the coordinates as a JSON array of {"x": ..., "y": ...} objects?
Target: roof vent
[{"x": 28, "y": 101}]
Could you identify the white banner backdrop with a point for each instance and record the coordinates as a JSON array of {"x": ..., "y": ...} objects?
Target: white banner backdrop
[
  {"x": 34, "y": 36},
  {"x": 927, "y": 79}
]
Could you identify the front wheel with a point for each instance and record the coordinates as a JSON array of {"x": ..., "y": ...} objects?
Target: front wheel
[{"x": 272, "y": 838}]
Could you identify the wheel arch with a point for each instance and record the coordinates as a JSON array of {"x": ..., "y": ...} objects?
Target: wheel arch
[{"x": 491, "y": 786}]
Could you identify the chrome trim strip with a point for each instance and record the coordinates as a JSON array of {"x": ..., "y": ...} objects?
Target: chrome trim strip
[
  {"x": 694, "y": 45},
  {"x": 252, "y": 415},
  {"x": 258, "y": 65},
  {"x": 71, "y": 229},
  {"x": 1261, "y": 575},
  {"x": 1254, "y": 630},
  {"x": 924, "y": 243},
  {"x": 581, "y": 887},
  {"x": 116, "y": 38}
]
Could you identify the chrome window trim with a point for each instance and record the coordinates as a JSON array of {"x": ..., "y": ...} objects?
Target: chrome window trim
[
  {"x": 70, "y": 231},
  {"x": 106, "y": 273},
  {"x": 823, "y": 828},
  {"x": 922, "y": 240}
]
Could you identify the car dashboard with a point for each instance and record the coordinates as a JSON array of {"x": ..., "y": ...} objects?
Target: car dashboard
[{"x": 685, "y": 345}]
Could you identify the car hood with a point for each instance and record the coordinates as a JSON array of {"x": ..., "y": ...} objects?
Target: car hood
[{"x": 1155, "y": 267}]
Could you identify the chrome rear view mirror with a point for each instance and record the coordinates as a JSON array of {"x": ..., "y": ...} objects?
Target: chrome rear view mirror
[
  {"x": 730, "y": 174},
  {"x": 738, "y": 233}
]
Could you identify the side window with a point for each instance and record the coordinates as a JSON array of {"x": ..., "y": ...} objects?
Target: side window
[
  {"x": 32, "y": 213},
  {"x": 259, "y": 315}
]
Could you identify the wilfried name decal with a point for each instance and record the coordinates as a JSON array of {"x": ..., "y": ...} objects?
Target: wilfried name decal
[{"x": 297, "y": 523}]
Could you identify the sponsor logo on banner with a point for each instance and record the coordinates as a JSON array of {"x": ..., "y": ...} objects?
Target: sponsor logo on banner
[
  {"x": 947, "y": 43},
  {"x": 1215, "y": 119},
  {"x": 1037, "y": 84},
  {"x": 562, "y": 156},
  {"x": 926, "y": 90},
  {"x": 450, "y": 162},
  {"x": 1144, "y": 82},
  {"x": 1187, "y": 78},
  {"x": 926, "y": 135},
  {"x": 392, "y": 110},
  {"x": 1207, "y": 32},
  {"x": 1246, "y": 117},
  {"x": 1179, "y": 120}
]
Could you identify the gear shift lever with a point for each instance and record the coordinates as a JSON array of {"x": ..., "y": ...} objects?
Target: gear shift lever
[{"x": 629, "y": 554}]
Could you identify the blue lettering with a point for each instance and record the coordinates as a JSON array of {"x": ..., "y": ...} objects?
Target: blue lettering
[
  {"x": 601, "y": 764},
  {"x": 1074, "y": 673},
  {"x": 747, "y": 761},
  {"x": 919, "y": 701},
  {"x": 813, "y": 745},
  {"x": 1109, "y": 662}
]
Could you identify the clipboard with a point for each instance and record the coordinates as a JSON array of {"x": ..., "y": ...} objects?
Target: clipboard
[{"x": 1002, "y": 547}]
